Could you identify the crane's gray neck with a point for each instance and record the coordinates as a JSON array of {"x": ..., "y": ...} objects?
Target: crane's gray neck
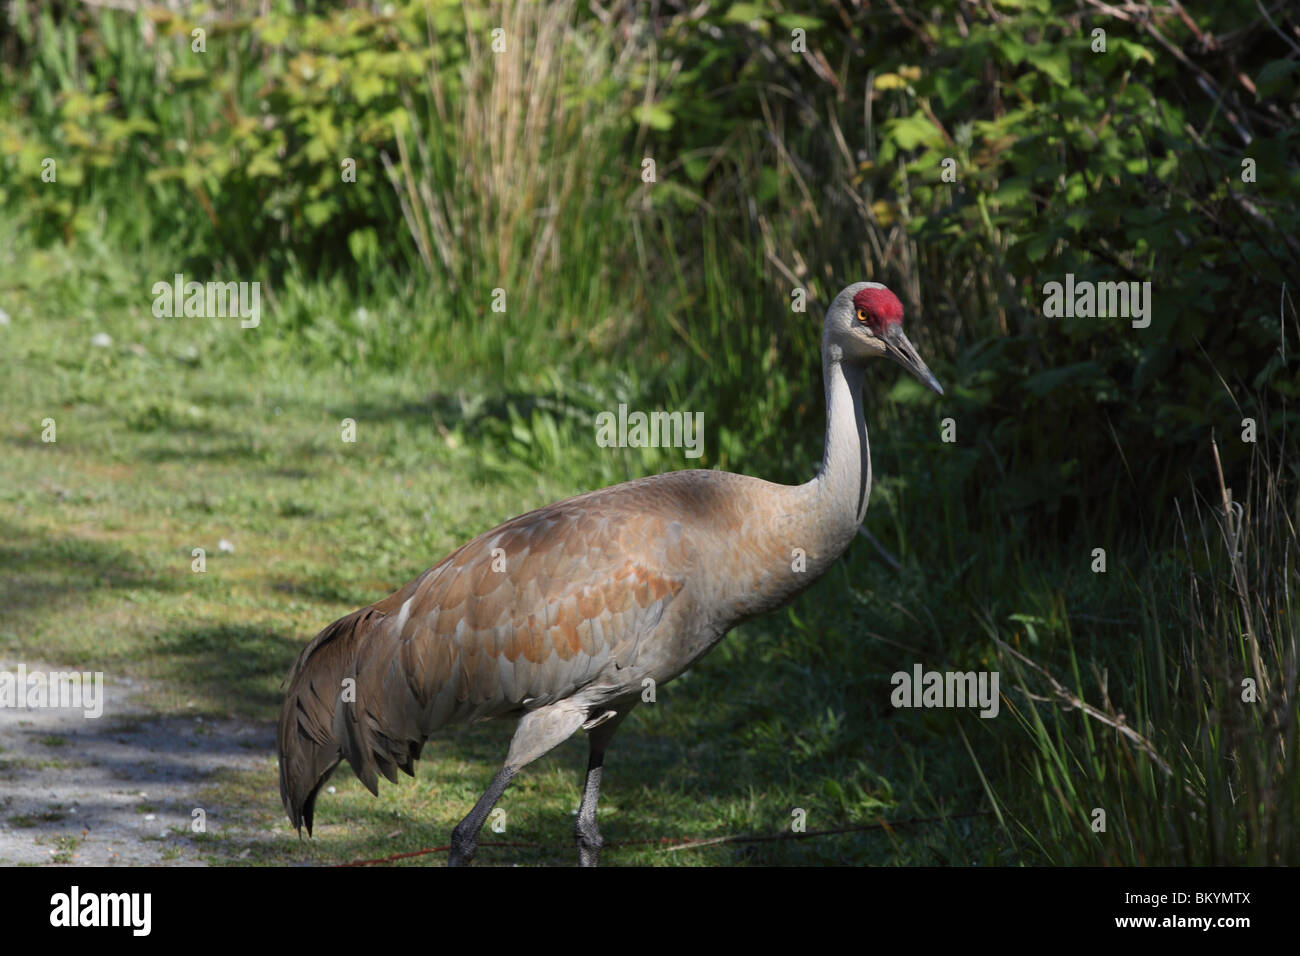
[
  {"x": 841, "y": 488},
  {"x": 817, "y": 520}
]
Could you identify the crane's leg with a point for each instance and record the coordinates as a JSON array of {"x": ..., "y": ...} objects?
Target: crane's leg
[
  {"x": 537, "y": 733},
  {"x": 585, "y": 830}
]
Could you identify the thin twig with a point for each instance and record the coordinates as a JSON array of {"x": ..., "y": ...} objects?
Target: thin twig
[
  {"x": 690, "y": 843},
  {"x": 1065, "y": 696},
  {"x": 1233, "y": 532},
  {"x": 776, "y": 837},
  {"x": 880, "y": 549},
  {"x": 1276, "y": 29}
]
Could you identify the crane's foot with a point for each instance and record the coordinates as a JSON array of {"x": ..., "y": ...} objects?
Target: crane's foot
[
  {"x": 589, "y": 854},
  {"x": 589, "y": 842},
  {"x": 462, "y": 849},
  {"x": 464, "y": 838}
]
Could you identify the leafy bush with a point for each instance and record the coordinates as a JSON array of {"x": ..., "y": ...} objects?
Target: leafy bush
[{"x": 1123, "y": 165}]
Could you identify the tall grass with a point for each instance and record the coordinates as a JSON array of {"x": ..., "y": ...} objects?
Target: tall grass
[
  {"x": 1188, "y": 746},
  {"x": 515, "y": 180}
]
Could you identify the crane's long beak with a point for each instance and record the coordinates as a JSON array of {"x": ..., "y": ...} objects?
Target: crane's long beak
[{"x": 898, "y": 348}]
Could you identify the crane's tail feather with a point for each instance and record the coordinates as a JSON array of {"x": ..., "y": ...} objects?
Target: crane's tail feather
[{"x": 321, "y": 725}]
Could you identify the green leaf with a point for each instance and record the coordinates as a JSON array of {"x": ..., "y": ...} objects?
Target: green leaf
[
  {"x": 1013, "y": 47},
  {"x": 1011, "y": 191},
  {"x": 656, "y": 117},
  {"x": 1050, "y": 60},
  {"x": 1054, "y": 378},
  {"x": 908, "y": 391},
  {"x": 695, "y": 168},
  {"x": 1134, "y": 51},
  {"x": 317, "y": 213},
  {"x": 1079, "y": 218},
  {"x": 1038, "y": 245},
  {"x": 364, "y": 246},
  {"x": 913, "y": 131},
  {"x": 743, "y": 13},
  {"x": 1273, "y": 77},
  {"x": 795, "y": 21},
  {"x": 263, "y": 164}
]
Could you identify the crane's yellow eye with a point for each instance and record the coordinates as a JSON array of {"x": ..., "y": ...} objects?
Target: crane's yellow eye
[{"x": 862, "y": 315}]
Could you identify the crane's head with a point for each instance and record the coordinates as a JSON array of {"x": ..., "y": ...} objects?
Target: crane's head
[{"x": 865, "y": 321}]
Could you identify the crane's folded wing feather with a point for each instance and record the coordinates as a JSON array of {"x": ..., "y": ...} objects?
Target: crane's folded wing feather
[{"x": 518, "y": 618}]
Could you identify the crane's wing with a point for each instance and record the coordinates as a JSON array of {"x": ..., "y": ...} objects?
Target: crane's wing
[
  {"x": 527, "y": 613},
  {"x": 521, "y": 616}
]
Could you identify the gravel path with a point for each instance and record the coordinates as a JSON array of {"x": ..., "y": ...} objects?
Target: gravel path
[{"x": 120, "y": 789}]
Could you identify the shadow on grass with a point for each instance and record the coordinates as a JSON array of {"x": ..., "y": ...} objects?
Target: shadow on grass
[
  {"x": 332, "y": 589},
  {"x": 237, "y": 668},
  {"x": 477, "y": 412},
  {"x": 231, "y": 452},
  {"x": 40, "y": 572}
]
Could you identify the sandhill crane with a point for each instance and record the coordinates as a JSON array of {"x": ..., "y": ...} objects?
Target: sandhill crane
[{"x": 558, "y": 616}]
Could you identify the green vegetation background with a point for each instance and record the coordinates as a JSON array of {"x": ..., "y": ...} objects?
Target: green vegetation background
[{"x": 794, "y": 146}]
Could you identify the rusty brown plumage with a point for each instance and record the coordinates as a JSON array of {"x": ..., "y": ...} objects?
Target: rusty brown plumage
[{"x": 523, "y": 615}]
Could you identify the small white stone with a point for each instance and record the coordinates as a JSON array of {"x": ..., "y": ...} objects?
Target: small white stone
[
  {"x": 4, "y": 317},
  {"x": 101, "y": 340},
  {"x": 148, "y": 817},
  {"x": 226, "y": 546},
  {"x": 331, "y": 790}
]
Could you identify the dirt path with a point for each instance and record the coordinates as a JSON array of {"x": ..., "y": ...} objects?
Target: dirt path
[{"x": 121, "y": 788}]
